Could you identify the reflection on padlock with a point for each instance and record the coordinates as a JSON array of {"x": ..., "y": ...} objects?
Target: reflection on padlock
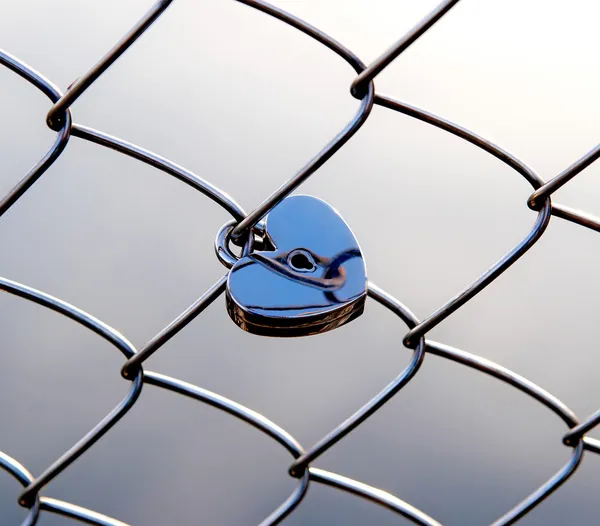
[{"x": 313, "y": 280}]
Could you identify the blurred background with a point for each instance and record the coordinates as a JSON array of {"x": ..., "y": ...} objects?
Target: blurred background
[{"x": 244, "y": 101}]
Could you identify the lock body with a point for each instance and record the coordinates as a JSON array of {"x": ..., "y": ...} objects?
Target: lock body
[{"x": 312, "y": 281}]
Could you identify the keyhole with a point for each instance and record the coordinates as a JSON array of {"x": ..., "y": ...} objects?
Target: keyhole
[{"x": 302, "y": 261}]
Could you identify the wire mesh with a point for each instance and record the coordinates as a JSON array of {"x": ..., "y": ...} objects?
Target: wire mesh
[{"x": 59, "y": 119}]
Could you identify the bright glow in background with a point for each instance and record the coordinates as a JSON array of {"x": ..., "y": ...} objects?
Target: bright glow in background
[{"x": 244, "y": 101}]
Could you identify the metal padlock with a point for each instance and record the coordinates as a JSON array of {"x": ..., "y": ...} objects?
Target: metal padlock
[{"x": 313, "y": 278}]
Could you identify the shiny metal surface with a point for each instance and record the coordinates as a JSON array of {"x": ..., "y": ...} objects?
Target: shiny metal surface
[
  {"x": 56, "y": 118},
  {"x": 134, "y": 362},
  {"x": 312, "y": 280},
  {"x": 537, "y": 198},
  {"x": 373, "y": 494},
  {"x": 386, "y": 58},
  {"x": 52, "y": 92},
  {"x": 169, "y": 167},
  {"x": 275, "y": 267},
  {"x": 381, "y": 398},
  {"x": 336, "y": 143}
]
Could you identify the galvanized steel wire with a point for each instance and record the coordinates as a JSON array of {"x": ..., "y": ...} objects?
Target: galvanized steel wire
[{"x": 59, "y": 119}]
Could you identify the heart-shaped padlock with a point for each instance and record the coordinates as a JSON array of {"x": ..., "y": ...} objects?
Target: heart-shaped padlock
[{"x": 313, "y": 280}]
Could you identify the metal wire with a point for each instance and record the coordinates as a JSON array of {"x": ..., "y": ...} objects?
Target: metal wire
[{"x": 59, "y": 119}]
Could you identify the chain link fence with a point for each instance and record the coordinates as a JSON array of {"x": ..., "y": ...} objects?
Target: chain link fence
[{"x": 59, "y": 119}]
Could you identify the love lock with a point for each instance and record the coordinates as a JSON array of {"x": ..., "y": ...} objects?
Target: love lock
[{"x": 311, "y": 279}]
